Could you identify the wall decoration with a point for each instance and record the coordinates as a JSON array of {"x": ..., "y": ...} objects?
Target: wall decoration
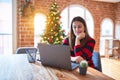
[{"x": 26, "y": 8}]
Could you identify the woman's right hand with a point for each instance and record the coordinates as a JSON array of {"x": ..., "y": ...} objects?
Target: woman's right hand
[{"x": 80, "y": 36}]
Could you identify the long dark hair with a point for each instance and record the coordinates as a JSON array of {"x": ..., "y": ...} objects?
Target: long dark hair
[{"x": 72, "y": 35}]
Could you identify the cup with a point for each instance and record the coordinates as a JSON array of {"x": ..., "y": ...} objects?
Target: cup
[
  {"x": 83, "y": 67},
  {"x": 83, "y": 70},
  {"x": 31, "y": 55}
]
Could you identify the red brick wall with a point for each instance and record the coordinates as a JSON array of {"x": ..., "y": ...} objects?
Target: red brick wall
[
  {"x": 117, "y": 12},
  {"x": 99, "y": 11},
  {"x": 25, "y": 29},
  {"x": 117, "y": 15}
]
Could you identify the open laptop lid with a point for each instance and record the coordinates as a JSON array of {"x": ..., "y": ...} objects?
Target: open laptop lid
[{"x": 55, "y": 55}]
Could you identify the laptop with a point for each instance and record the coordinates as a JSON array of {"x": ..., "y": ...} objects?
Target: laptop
[{"x": 56, "y": 56}]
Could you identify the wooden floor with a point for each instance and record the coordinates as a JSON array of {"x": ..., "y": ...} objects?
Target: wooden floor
[{"x": 111, "y": 67}]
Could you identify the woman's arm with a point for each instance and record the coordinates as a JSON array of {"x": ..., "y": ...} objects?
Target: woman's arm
[{"x": 86, "y": 50}]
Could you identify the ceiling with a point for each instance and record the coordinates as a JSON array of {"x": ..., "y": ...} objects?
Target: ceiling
[{"x": 112, "y": 1}]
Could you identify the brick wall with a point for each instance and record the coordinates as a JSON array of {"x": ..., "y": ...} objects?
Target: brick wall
[
  {"x": 99, "y": 11},
  {"x": 117, "y": 18},
  {"x": 117, "y": 12},
  {"x": 25, "y": 28}
]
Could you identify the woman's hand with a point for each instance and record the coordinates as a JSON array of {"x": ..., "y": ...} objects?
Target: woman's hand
[
  {"x": 77, "y": 59},
  {"x": 80, "y": 36}
]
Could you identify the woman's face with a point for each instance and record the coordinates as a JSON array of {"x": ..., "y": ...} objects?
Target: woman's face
[{"x": 77, "y": 27}]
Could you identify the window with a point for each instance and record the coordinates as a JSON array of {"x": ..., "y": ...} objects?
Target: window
[
  {"x": 106, "y": 33},
  {"x": 107, "y": 27},
  {"x": 39, "y": 22},
  {"x": 6, "y": 27},
  {"x": 117, "y": 31},
  {"x": 76, "y": 10}
]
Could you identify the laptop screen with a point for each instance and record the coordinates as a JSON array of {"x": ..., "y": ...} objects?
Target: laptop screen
[{"x": 55, "y": 55}]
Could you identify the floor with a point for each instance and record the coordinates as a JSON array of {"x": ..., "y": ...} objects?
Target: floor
[{"x": 111, "y": 67}]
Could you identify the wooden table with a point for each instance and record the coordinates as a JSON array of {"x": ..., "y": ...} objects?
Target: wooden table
[{"x": 17, "y": 67}]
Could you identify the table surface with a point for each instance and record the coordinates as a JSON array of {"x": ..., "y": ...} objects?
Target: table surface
[{"x": 17, "y": 67}]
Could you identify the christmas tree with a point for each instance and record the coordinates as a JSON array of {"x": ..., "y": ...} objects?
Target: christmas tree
[{"x": 53, "y": 33}]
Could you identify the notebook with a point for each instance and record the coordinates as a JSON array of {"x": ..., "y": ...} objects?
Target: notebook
[{"x": 56, "y": 56}]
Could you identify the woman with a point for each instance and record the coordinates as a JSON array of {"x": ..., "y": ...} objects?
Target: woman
[{"x": 80, "y": 42}]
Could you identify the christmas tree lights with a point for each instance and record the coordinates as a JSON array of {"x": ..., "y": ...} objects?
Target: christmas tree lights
[{"x": 53, "y": 33}]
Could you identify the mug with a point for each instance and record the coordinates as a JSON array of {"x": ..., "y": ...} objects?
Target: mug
[
  {"x": 31, "y": 55},
  {"x": 83, "y": 70}
]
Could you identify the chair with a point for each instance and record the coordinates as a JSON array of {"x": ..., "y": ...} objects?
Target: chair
[
  {"x": 97, "y": 61},
  {"x": 22, "y": 50}
]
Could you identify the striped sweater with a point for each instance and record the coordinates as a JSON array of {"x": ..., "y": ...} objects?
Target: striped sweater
[{"x": 83, "y": 51}]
